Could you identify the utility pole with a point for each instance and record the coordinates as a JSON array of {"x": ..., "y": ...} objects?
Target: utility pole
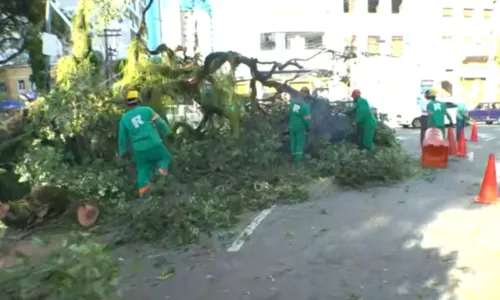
[
  {"x": 109, "y": 52},
  {"x": 48, "y": 29}
]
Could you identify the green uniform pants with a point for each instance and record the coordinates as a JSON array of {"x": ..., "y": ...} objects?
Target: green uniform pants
[
  {"x": 297, "y": 144},
  {"x": 149, "y": 160},
  {"x": 367, "y": 137}
]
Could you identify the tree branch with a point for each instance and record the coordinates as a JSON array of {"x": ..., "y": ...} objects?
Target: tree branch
[
  {"x": 9, "y": 41},
  {"x": 13, "y": 55}
]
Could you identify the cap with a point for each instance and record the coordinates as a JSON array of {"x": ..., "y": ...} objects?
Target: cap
[{"x": 356, "y": 93}]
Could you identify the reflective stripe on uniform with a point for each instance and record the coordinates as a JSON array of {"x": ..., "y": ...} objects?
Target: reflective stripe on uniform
[{"x": 144, "y": 189}]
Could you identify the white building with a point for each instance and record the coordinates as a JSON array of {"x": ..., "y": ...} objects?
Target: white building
[
  {"x": 427, "y": 38},
  {"x": 171, "y": 29},
  {"x": 196, "y": 27}
]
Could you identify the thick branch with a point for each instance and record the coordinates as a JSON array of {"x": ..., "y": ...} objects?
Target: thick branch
[
  {"x": 14, "y": 55},
  {"x": 9, "y": 41}
]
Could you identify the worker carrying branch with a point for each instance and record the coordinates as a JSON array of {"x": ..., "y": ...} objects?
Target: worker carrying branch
[
  {"x": 137, "y": 129},
  {"x": 365, "y": 121},
  {"x": 299, "y": 121},
  {"x": 437, "y": 111}
]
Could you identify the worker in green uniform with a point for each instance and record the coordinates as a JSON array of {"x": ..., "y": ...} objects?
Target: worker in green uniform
[
  {"x": 365, "y": 121},
  {"x": 462, "y": 116},
  {"x": 299, "y": 121},
  {"x": 138, "y": 129},
  {"x": 437, "y": 112}
]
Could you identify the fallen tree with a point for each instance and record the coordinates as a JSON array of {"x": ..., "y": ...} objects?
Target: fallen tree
[{"x": 234, "y": 161}]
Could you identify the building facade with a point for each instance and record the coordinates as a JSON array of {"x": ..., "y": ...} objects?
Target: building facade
[
  {"x": 196, "y": 28},
  {"x": 441, "y": 40}
]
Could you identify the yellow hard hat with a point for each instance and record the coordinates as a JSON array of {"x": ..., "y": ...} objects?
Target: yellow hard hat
[
  {"x": 433, "y": 92},
  {"x": 132, "y": 94}
]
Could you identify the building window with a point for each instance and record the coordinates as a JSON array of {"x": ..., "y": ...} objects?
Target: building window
[
  {"x": 487, "y": 13},
  {"x": 397, "y": 45},
  {"x": 373, "y": 45},
  {"x": 372, "y": 7},
  {"x": 447, "y": 12},
  {"x": 303, "y": 40},
  {"x": 3, "y": 88},
  {"x": 468, "y": 12},
  {"x": 267, "y": 41},
  {"x": 349, "y": 6},
  {"x": 21, "y": 85},
  {"x": 396, "y": 6}
]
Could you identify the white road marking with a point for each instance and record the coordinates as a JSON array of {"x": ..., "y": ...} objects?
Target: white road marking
[
  {"x": 402, "y": 138},
  {"x": 240, "y": 240},
  {"x": 470, "y": 156},
  {"x": 485, "y": 137}
]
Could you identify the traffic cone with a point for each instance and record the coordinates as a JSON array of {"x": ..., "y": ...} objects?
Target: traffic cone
[
  {"x": 489, "y": 187},
  {"x": 452, "y": 144},
  {"x": 462, "y": 146},
  {"x": 473, "y": 133}
]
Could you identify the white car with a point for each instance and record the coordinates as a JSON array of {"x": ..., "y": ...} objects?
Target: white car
[
  {"x": 187, "y": 113},
  {"x": 411, "y": 117}
]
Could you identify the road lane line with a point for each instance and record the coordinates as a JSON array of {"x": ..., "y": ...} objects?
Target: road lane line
[{"x": 240, "y": 240}]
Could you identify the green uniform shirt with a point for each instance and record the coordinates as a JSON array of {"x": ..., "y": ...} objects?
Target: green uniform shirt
[
  {"x": 364, "y": 115},
  {"x": 437, "y": 113},
  {"x": 137, "y": 127},
  {"x": 299, "y": 116},
  {"x": 462, "y": 111}
]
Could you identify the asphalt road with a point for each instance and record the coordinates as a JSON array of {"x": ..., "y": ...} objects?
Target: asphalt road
[{"x": 348, "y": 245}]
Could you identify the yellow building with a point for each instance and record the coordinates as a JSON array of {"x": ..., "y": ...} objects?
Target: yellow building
[{"x": 14, "y": 79}]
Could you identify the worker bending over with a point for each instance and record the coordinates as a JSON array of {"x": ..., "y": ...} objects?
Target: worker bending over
[
  {"x": 137, "y": 129},
  {"x": 299, "y": 121},
  {"x": 365, "y": 121},
  {"x": 437, "y": 111}
]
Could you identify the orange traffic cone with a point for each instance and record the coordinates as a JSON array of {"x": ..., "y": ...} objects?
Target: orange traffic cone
[
  {"x": 489, "y": 188},
  {"x": 462, "y": 146},
  {"x": 473, "y": 133},
  {"x": 452, "y": 148}
]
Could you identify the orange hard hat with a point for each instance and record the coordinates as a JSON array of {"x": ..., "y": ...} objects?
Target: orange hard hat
[{"x": 356, "y": 93}]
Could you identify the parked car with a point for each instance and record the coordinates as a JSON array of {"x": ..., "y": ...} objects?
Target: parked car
[
  {"x": 187, "y": 113},
  {"x": 411, "y": 116},
  {"x": 488, "y": 112}
]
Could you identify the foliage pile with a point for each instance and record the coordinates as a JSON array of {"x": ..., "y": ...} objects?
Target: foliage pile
[
  {"x": 351, "y": 167},
  {"x": 78, "y": 269}
]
